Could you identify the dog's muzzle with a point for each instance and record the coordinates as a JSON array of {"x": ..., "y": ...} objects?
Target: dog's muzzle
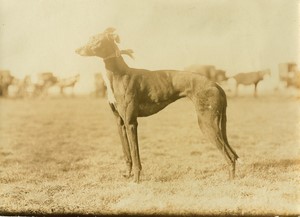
[{"x": 83, "y": 51}]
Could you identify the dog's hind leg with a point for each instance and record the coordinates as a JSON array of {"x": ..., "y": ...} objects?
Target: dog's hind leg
[
  {"x": 211, "y": 129},
  {"x": 124, "y": 141},
  {"x": 212, "y": 121}
]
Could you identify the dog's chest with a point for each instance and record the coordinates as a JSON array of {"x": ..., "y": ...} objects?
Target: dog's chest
[{"x": 107, "y": 80}]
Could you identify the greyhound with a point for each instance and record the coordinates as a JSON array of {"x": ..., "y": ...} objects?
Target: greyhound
[{"x": 134, "y": 93}]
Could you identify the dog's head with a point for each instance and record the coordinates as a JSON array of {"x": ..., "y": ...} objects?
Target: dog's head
[{"x": 101, "y": 45}]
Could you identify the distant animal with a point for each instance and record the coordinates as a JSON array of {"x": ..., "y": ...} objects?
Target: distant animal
[
  {"x": 294, "y": 80},
  {"x": 22, "y": 86},
  {"x": 134, "y": 93},
  {"x": 100, "y": 87},
  {"x": 67, "y": 82},
  {"x": 45, "y": 81},
  {"x": 6, "y": 80},
  {"x": 250, "y": 78},
  {"x": 209, "y": 71},
  {"x": 220, "y": 76},
  {"x": 288, "y": 73}
]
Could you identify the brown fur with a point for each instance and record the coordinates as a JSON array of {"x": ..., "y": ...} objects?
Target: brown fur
[{"x": 140, "y": 93}]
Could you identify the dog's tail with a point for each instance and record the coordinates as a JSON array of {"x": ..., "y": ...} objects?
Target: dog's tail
[
  {"x": 222, "y": 124},
  {"x": 224, "y": 133}
]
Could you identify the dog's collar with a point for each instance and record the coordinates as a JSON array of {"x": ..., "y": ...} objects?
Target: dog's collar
[{"x": 117, "y": 53}]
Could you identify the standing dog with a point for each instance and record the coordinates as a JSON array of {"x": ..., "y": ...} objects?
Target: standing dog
[{"x": 134, "y": 93}]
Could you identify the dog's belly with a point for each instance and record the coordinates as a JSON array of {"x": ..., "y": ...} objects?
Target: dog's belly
[{"x": 147, "y": 109}]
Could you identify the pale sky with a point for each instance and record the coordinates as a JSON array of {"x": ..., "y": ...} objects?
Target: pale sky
[{"x": 234, "y": 35}]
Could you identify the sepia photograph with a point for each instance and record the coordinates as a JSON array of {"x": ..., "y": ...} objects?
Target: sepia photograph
[{"x": 150, "y": 107}]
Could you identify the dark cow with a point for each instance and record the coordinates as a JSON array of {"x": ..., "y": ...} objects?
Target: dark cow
[{"x": 6, "y": 79}]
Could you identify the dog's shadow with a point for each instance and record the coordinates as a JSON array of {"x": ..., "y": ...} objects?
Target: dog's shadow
[
  {"x": 281, "y": 164},
  {"x": 271, "y": 169}
]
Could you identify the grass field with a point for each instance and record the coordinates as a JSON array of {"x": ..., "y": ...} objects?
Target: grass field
[{"x": 64, "y": 156}]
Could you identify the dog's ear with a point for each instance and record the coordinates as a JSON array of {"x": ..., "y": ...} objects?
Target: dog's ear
[
  {"x": 110, "y": 33},
  {"x": 117, "y": 38},
  {"x": 128, "y": 52},
  {"x": 110, "y": 30}
]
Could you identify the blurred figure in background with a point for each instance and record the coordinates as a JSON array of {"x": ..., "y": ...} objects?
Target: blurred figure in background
[
  {"x": 22, "y": 87},
  {"x": 209, "y": 71},
  {"x": 45, "y": 81},
  {"x": 251, "y": 78},
  {"x": 68, "y": 83},
  {"x": 289, "y": 74},
  {"x": 100, "y": 88},
  {"x": 6, "y": 79}
]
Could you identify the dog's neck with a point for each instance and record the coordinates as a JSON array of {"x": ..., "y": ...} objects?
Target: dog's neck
[{"x": 116, "y": 65}]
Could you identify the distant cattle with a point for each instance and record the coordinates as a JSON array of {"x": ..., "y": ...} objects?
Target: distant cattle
[
  {"x": 250, "y": 78},
  {"x": 22, "y": 86},
  {"x": 100, "y": 88},
  {"x": 294, "y": 81},
  {"x": 6, "y": 80},
  {"x": 45, "y": 81},
  {"x": 67, "y": 82},
  {"x": 289, "y": 74},
  {"x": 208, "y": 71},
  {"x": 220, "y": 76}
]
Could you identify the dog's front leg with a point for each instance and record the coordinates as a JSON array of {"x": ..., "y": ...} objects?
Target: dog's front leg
[
  {"x": 131, "y": 129},
  {"x": 124, "y": 140}
]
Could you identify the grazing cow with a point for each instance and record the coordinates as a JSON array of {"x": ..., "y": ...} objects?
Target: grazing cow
[
  {"x": 6, "y": 79},
  {"x": 209, "y": 71},
  {"x": 288, "y": 74},
  {"x": 67, "y": 82},
  {"x": 45, "y": 81},
  {"x": 250, "y": 78},
  {"x": 100, "y": 88},
  {"x": 134, "y": 93}
]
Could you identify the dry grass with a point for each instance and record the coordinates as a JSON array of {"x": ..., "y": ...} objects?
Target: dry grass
[{"x": 64, "y": 156}]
